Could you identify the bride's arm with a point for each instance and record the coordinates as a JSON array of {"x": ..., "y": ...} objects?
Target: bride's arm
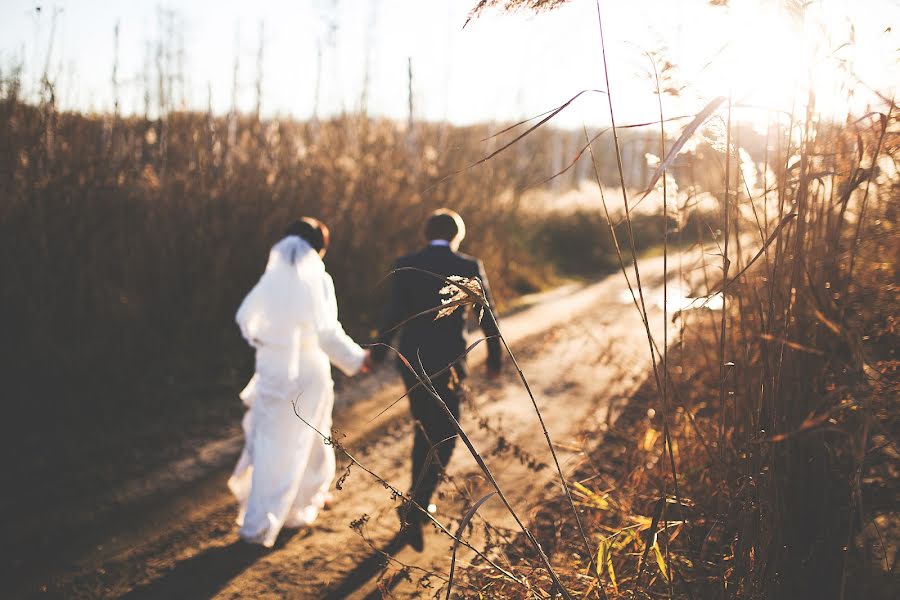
[
  {"x": 248, "y": 317},
  {"x": 343, "y": 352}
]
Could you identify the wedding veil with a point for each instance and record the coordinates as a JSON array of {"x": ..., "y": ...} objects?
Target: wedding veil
[{"x": 288, "y": 297}]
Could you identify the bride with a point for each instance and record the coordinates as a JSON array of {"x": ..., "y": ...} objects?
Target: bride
[{"x": 290, "y": 317}]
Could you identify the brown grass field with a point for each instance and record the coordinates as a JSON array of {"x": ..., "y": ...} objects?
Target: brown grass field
[{"x": 758, "y": 459}]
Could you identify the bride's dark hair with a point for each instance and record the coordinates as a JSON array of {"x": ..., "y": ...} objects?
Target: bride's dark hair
[{"x": 312, "y": 230}]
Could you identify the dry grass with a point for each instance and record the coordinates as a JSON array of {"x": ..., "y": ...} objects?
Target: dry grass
[
  {"x": 127, "y": 243},
  {"x": 758, "y": 460}
]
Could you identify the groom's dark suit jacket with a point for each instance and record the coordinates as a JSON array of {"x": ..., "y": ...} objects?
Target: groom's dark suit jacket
[{"x": 437, "y": 342}]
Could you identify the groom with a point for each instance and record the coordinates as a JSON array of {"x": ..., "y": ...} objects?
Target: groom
[{"x": 433, "y": 344}]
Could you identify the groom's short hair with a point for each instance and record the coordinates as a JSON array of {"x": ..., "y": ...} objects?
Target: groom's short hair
[
  {"x": 312, "y": 230},
  {"x": 445, "y": 224}
]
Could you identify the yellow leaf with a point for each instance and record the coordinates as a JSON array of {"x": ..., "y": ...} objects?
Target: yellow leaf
[
  {"x": 641, "y": 521},
  {"x": 602, "y": 556},
  {"x": 650, "y": 438},
  {"x": 604, "y": 560},
  {"x": 612, "y": 574},
  {"x": 581, "y": 488},
  {"x": 660, "y": 561},
  {"x": 594, "y": 499}
]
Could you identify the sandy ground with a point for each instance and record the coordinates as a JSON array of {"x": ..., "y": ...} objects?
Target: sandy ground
[{"x": 172, "y": 534}]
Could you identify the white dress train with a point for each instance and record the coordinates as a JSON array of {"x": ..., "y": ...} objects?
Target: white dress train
[{"x": 290, "y": 317}]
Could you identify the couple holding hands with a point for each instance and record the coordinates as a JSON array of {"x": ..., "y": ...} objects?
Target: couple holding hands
[{"x": 291, "y": 319}]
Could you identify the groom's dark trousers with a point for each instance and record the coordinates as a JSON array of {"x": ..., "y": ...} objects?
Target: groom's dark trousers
[
  {"x": 433, "y": 345},
  {"x": 432, "y": 428}
]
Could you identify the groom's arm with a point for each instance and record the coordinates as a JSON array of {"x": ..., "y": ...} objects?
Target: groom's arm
[
  {"x": 489, "y": 326},
  {"x": 393, "y": 316}
]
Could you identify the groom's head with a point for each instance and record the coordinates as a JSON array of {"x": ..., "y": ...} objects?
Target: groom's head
[
  {"x": 313, "y": 231},
  {"x": 445, "y": 224}
]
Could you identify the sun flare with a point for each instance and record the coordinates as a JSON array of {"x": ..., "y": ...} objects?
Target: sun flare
[{"x": 775, "y": 57}]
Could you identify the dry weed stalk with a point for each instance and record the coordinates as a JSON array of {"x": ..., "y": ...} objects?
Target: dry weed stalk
[{"x": 795, "y": 410}]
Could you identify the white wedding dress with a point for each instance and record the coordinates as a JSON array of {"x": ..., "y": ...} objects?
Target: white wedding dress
[{"x": 290, "y": 317}]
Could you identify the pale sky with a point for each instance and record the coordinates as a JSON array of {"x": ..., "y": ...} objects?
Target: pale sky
[{"x": 501, "y": 67}]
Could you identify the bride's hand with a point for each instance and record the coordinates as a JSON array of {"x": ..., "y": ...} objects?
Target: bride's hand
[{"x": 367, "y": 363}]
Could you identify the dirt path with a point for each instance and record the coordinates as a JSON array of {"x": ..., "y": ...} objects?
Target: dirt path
[{"x": 581, "y": 349}]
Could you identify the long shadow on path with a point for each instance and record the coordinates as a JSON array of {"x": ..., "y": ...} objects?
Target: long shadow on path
[
  {"x": 204, "y": 575},
  {"x": 371, "y": 566}
]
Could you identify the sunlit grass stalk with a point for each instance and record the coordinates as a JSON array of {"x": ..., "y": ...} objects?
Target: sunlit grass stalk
[
  {"x": 562, "y": 477},
  {"x": 396, "y": 492},
  {"x": 665, "y": 323},
  {"x": 490, "y": 477},
  {"x": 726, "y": 263},
  {"x": 661, "y": 388},
  {"x": 474, "y": 298},
  {"x": 856, "y": 503}
]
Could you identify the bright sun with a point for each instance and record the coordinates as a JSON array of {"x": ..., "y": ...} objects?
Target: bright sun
[{"x": 771, "y": 57}]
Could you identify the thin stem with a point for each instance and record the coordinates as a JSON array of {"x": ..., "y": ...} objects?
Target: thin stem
[{"x": 562, "y": 477}]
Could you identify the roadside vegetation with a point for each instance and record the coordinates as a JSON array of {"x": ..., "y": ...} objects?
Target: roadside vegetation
[
  {"x": 759, "y": 460},
  {"x": 127, "y": 242}
]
